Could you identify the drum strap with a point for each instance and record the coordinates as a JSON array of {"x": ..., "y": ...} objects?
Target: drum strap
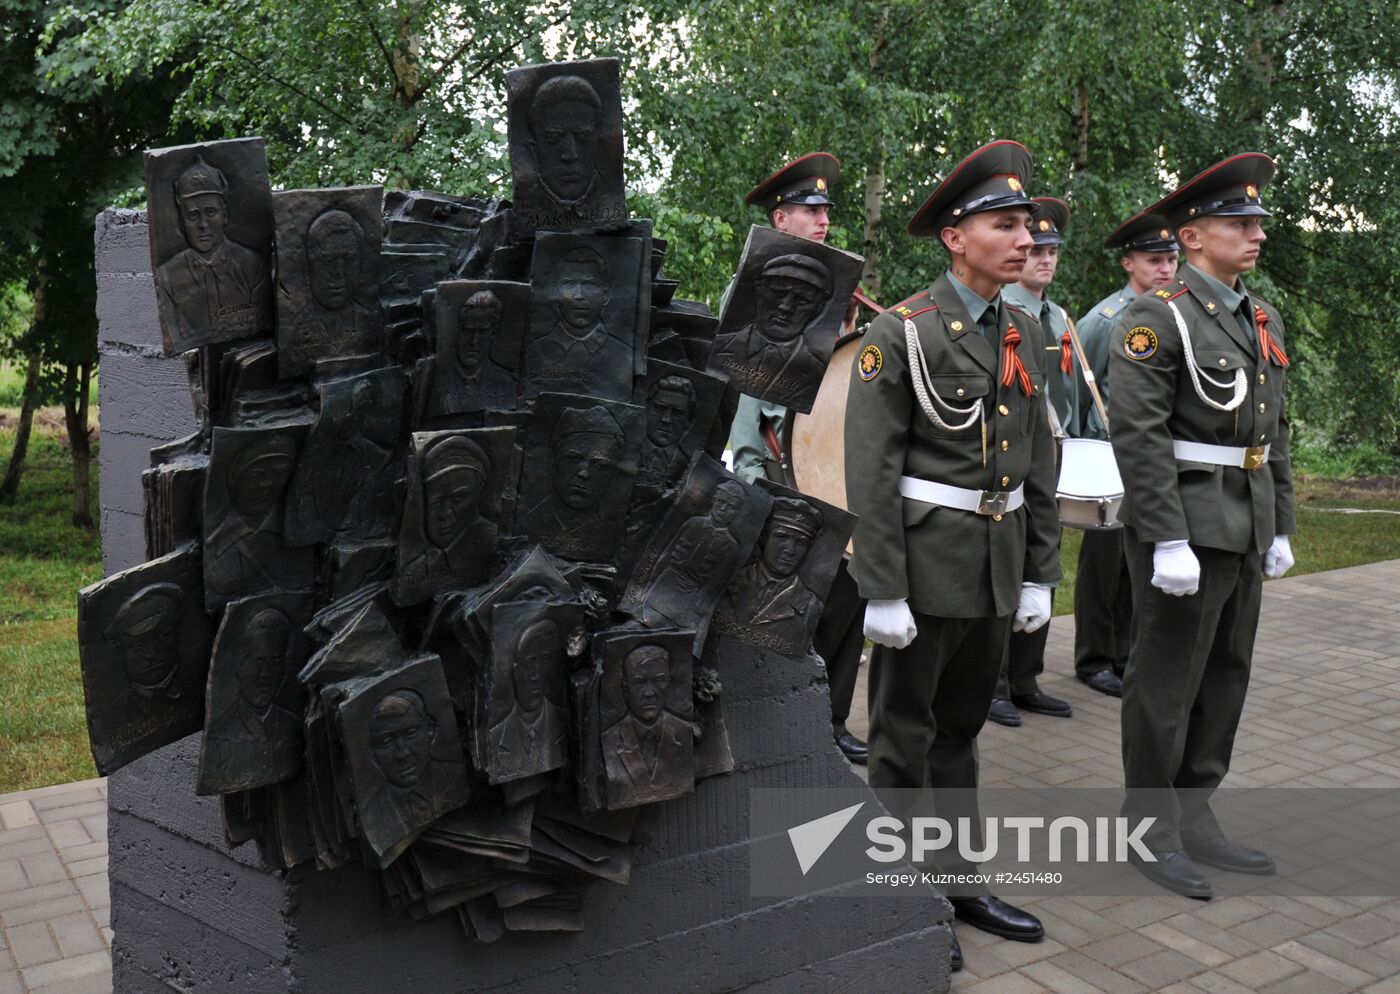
[
  {"x": 1090, "y": 380},
  {"x": 1240, "y": 386}
]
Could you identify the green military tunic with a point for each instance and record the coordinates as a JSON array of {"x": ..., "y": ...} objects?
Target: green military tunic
[
  {"x": 960, "y": 572},
  {"x": 1188, "y": 670}
]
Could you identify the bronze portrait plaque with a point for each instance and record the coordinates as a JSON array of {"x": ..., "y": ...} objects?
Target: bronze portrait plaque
[
  {"x": 780, "y": 324},
  {"x": 210, "y": 212},
  {"x": 328, "y": 244},
  {"x": 406, "y": 760},
  {"x": 587, "y": 315},
  {"x": 451, "y": 519},
  {"x": 565, "y": 137},
  {"x": 776, "y": 600},
  {"x": 343, "y": 485},
  {"x": 522, "y": 707},
  {"x": 144, "y": 639},
  {"x": 244, "y": 497},
  {"x": 481, "y": 328},
  {"x": 252, "y": 732},
  {"x": 577, "y": 480},
  {"x": 697, "y": 548},
  {"x": 646, "y": 716}
]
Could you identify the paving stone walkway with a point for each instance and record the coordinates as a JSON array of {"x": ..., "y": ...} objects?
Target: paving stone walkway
[{"x": 1323, "y": 710}]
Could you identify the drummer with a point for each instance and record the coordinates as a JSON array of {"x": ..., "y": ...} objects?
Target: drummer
[
  {"x": 798, "y": 200},
  {"x": 950, "y": 466},
  {"x": 1017, "y": 689},
  {"x": 1103, "y": 597}
]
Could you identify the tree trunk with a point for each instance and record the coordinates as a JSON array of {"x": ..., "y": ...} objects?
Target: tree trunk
[
  {"x": 77, "y": 381},
  {"x": 875, "y": 174},
  {"x": 20, "y": 452}
]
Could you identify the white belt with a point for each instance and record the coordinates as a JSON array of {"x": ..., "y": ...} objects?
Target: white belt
[
  {"x": 1252, "y": 457},
  {"x": 986, "y": 502}
]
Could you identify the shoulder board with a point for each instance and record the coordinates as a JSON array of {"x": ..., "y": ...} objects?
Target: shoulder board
[
  {"x": 916, "y": 304},
  {"x": 1108, "y": 312},
  {"x": 1171, "y": 293}
]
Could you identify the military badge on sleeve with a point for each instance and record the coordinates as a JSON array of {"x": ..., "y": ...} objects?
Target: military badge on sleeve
[
  {"x": 870, "y": 362},
  {"x": 1140, "y": 343}
]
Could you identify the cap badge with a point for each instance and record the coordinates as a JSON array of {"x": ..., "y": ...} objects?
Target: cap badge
[
  {"x": 1251, "y": 191},
  {"x": 1014, "y": 183},
  {"x": 1044, "y": 225},
  {"x": 821, "y": 185},
  {"x": 1165, "y": 234}
]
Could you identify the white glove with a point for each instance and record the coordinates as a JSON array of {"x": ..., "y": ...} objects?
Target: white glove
[
  {"x": 1175, "y": 568},
  {"x": 1279, "y": 559},
  {"x": 890, "y": 623},
  {"x": 1033, "y": 610}
]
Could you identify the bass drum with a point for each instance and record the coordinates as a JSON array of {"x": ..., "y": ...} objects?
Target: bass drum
[{"x": 815, "y": 444}]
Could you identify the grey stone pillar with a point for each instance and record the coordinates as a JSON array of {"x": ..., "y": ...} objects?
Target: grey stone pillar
[{"x": 191, "y": 914}]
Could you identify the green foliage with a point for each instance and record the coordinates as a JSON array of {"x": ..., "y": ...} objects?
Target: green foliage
[
  {"x": 42, "y": 721},
  {"x": 45, "y": 559}
]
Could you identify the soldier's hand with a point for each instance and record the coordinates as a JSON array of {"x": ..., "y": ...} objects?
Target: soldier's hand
[
  {"x": 890, "y": 623},
  {"x": 1279, "y": 559},
  {"x": 1175, "y": 568},
  {"x": 1034, "y": 607}
]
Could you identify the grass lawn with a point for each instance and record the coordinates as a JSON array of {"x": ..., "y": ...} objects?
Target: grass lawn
[{"x": 44, "y": 560}]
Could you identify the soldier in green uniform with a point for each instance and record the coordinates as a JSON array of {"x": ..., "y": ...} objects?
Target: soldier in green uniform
[
  {"x": 1103, "y": 597},
  {"x": 951, "y": 466},
  {"x": 798, "y": 200},
  {"x": 1025, "y": 653},
  {"x": 1201, "y": 437}
]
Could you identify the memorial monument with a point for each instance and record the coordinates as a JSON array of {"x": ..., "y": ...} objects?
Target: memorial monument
[{"x": 431, "y": 634}]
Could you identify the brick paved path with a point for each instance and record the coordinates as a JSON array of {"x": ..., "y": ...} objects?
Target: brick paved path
[{"x": 1324, "y": 709}]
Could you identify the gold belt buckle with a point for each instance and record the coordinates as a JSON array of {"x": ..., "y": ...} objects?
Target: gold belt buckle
[
  {"x": 1254, "y": 456},
  {"x": 993, "y": 502}
]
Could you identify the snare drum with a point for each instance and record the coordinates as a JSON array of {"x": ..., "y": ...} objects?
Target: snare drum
[{"x": 1090, "y": 489}]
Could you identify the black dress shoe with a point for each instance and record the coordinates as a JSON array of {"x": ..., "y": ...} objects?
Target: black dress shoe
[
  {"x": 1223, "y": 854},
  {"x": 1003, "y": 712},
  {"x": 1105, "y": 682},
  {"x": 1175, "y": 871},
  {"x": 852, "y": 748},
  {"x": 992, "y": 914},
  {"x": 1038, "y": 702},
  {"x": 954, "y": 952}
]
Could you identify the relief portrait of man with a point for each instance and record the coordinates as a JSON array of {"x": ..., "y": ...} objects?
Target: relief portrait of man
[
  {"x": 216, "y": 283},
  {"x": 465, "y": 378},
  {"x": 244, "y": 551},
  {"x": 401, "y": 737},
  {"x": 333, "y": 317},
  {"x": 144, "y": 632},
  {"x": 790, "y": 293},
  {"x": 648, "y": 753},
  {"x": 670, "y": 413},
  {"x": 576, "y": 348},
  {"x": 565, "y": 118},
  {"x": 702, "y": 555},
  {"x": 457, "y": 541},
  {"x": 585, "y": 448},
  {"x": 255, "y": 740},
  {"x": 530, "y": 738},
  {"x": 770, "y": 591}
]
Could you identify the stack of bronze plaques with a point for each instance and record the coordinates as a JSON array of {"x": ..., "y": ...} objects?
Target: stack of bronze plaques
[{"x": 434, "y": 579}]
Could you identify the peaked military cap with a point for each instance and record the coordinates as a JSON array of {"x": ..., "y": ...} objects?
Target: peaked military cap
[
  {"x": 807, "y": 180},
  {"x": 1145, "y": 231},
  {"x": 200, "y": 178},
  {"x": 1051, "y": 220},
  {"x": 991, "y": 178},
  {"x": 1229, "y": 188}
]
